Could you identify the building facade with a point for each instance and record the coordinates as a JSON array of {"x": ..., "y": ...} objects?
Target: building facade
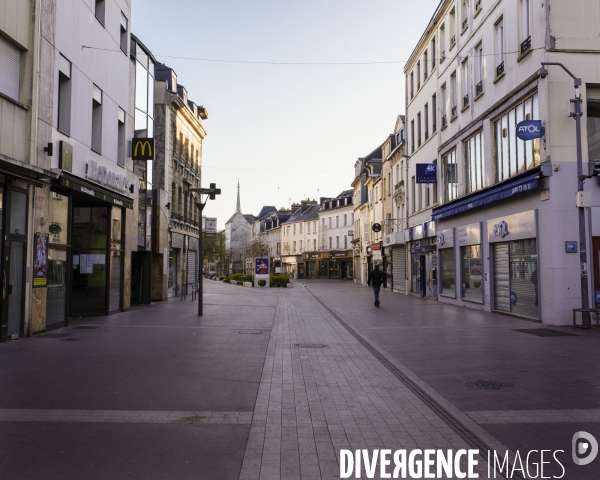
[
  {"x": 300, "y": 233},
  {"x": 500, "y": 198},
  {"x": 238, "y": 237},
  {"x": 179, "y": 132}
]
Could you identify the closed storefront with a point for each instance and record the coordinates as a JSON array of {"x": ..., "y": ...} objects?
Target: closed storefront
[
  {"x": 446, "y": 254},
  {"x": 513, "y": 240},
  {"x": 471, "y": 262},
  {"x": 191, "y": 267},
  {"x": 394, "y": 241}
]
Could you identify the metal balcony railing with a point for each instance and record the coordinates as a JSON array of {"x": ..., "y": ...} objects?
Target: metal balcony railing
[
  {"x": 479, "y": 87},
  {"x": 500, "y": 69},
  {"x": 454, "y": 111},
  {"x": 526, "y": 44},
  {"x": 453, "y": 41},
  {"x": 465, "y": 23},
  {"x": 444, "y": 121},
  {"x": 466, "y": 100}
]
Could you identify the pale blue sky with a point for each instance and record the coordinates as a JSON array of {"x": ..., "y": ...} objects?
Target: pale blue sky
[{"x": 287, "y": 131}]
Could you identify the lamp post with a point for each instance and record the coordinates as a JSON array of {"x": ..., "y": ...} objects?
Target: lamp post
[
  {"x": 585, "y": 305},
  {"x": 208, "y": 193}
]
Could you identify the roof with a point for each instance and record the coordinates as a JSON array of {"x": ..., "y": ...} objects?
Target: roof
[
  {"x": 249, "y": 218},
  {"x": 346, "y": 193},
  {"x": 264, "y": 211},
  {"x": 310, "y": 213}
]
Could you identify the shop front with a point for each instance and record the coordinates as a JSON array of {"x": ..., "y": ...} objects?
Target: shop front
[
  {"x": 423, "y": 260},
  {"x": 470, "y": 263},
  {"x": 92, "y": 244},
  {"x": 396, "y": 271},
  {"x": 312, "y": 264},
  {"x": 514, "y": 253},
  {"x": 446, "y": 262},
  {"x": 340, "y": 264}
]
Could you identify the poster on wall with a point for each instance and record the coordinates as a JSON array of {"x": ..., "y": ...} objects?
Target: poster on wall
[
  {"x": 40, "y": 262},
  {"x": 261, "y": 267}
]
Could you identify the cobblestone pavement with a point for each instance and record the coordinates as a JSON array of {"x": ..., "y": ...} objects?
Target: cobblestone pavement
[{"x": 312, "y": 402}]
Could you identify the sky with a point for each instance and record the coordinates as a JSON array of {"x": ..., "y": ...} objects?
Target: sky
[{"x": 287, "y": 132}]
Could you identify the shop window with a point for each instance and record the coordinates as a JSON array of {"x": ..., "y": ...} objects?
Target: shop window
[
  {"x": 472, "y": 273},
  {"x": 64, "y": 95},
  {"x": 116, "y": 259},
  {"x": 513, "y": 155},
  {"x": 18, "y": 213},
  {"x": 56, "y": 294},
  {"x": 474, "y": 162},
  {"x": 96, "y": 119},
  {"x": 448, "y": 273}
]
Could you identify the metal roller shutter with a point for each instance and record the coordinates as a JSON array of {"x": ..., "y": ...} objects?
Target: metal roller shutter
[
  {"x": 399, "y": 269},
  {"x": 501, "y": 278},
  {"x": 10, "y": 69},
  {"x": 523, "y": 278},
  {"x": 191, "y": 269}
]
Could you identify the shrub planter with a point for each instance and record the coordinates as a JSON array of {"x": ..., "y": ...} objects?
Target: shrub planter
[{"x": 247, "y": 284}]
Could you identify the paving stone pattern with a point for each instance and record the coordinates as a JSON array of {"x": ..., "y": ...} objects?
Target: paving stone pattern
[
  {"x": 535, "y": 416},
  {"x": 313, "y": 402},
  {"x": 123, "y": 416}
]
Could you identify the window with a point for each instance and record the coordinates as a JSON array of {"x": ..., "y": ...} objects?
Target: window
[
  {"x": 593, "y": 123},
  {"x": 500, "y": 47},
  {"x": 465, "y": 83},
  {"x": 294, "y": 228},
  {"x": 433, "y": 113},
  {"x": 323, "y": 221},
  {"x": 345, "y": 241},
  {"x": 418, "y": 75},
  {"x": 10, "y": 73},
  {"x": 100, "y": 8},
  {"x": 412, "y": 85},
  {"x": 308, "y": 228},
  {"x": 420, "y": 196},
  {"x": 419, "y": 129},
  {"x": 450, "y": 177},
  {"x": 425, "y": 61},
  {"x": 412, "y": 136},
  {"x": 414, "y": 197},
  {"x": 464, "y": 14},
  {"x": 442, "y": 42},
  {"x": 300, "y": 245},
  {"x": 294, "y": 246},
  {"x": 337, "y": 241},
  {"x": 315, "y": 226},
  {"x": 330, "y": 243},
  {"x": 124, "y": 35},
  {"x": 426, "y": 119},
  {"x": 433, "y": 45},
  {"x": 351, "y": 218},
  {"x": 444, "y": 105},
  {"x": 453, "y": 94},
  {"x": 426, "y": 194},
  {"x": 121, "y": 137},
  {"x": 447, "y": 263},
  {"x": 474, "y": 162},
  {"x": 478, "y": 70},
  {"x": 345, "y": 220},
  {"x": 337, "y": 221},
  {"x": 452, "y": 26},
  {"x": 64, "y": 95},
  {"x": 96, "y": 119},
  {"x": 525, "y": 26},
  {"x": 513, "y": 155},
  {"x": 300, "y": 228},
  {"x": 314, "y": 244},
  {"x": 329, "y": 222}
]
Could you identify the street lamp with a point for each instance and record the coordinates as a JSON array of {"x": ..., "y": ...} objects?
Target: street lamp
[
  {"x": 585, "y": 305},
  {"x": 208, "y": 193}
]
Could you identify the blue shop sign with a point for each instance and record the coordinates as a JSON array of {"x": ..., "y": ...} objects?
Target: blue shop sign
[
  {"x": 426, "y": 173},
  {"x": 530, "y": 129}
]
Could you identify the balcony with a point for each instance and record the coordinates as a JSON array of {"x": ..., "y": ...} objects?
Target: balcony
[
  {"x": 466, "y": 101},
  {"x": 454, "y": 111},
  {"x": 465, "y": 23},
  {"x": 453, "y": 41},
  {"x": 477, "y": 5},
  {"x": 479, "y": 88},
  {"x": 526, "y": 45},
  {"x": 444, "y": 121},
  {"x": 500, "y": 69}
]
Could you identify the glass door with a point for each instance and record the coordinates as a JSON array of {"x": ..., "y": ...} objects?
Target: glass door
[{"x": 15, "y": 288}]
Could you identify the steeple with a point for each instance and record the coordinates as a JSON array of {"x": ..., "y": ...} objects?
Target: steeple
[{"x": 238, "y": 208}]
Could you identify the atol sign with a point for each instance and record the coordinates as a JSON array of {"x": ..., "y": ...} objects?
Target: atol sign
[
  {"x": 426, "y": 173},
  {"x": 142, "y": 149},
  {"x": 529, "y": 129}
]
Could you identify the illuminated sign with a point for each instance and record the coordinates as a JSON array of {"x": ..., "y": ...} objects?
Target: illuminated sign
[{"x": 142, "y": 149}]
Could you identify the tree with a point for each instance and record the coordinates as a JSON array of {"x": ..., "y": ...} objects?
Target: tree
[{"x": 213, "y": 248}]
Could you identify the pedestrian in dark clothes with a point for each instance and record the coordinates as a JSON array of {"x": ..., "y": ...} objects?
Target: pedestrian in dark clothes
[{"x": 376, "y": 280}]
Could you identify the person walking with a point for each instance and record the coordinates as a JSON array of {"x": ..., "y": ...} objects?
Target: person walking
[{"x": 375, "y": 280}]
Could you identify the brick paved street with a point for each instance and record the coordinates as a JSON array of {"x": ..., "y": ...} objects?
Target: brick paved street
[{"x": 273, "y": 384}]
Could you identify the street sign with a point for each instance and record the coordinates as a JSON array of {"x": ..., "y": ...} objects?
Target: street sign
[
  {"x": 211, "y": 225},
  {"x": 426, "y": 173},
  {"x": 376, "y": 227},
  {"x": 530, "y": 129}
]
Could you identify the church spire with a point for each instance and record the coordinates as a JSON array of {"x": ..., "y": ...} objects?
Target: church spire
[{"x": 238, "y": 208}]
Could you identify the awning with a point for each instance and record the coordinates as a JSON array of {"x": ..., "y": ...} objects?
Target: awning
[
  {"x": 30, "y": 174},
  {"x": 497, "y": 192},
  {"x": 93, "y": 190}
]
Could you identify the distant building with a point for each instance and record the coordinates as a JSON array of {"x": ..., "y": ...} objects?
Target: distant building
[
  {"x": 238, "y": 236},
  {"x": 298, "y": 231}
]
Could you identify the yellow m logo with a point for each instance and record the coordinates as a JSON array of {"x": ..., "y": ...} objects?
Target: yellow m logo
[{"x": 143, "y": 149}]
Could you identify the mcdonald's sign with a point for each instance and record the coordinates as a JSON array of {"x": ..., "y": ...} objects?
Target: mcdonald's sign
[{"x": 142, "y": 149}]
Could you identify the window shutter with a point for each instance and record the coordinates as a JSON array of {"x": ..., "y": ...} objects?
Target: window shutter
[{"x": 10, "y": 69}]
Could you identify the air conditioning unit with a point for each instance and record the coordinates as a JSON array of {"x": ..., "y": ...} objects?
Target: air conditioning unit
[{"x": 56, "y": 196}]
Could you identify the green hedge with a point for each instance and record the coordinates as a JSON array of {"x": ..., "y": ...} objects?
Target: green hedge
[
  {"x": 240, "y": 277},
  {"x": 279, "y": 280}
]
